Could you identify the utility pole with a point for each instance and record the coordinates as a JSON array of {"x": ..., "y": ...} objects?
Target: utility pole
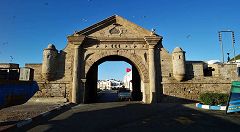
[
  {"x": 233, "y": 44},
  {"x": 221, "y": 43}
]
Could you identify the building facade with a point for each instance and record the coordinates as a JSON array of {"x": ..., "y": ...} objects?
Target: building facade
[
  {"x": 110, "y": 84},
  {"x": 127, "y": 80}
]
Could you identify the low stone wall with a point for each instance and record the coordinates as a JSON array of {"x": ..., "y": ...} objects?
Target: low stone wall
[
  {"x": 177, "y": 92},
  {"x": 184, "y": 91},
  {"x": 54, "y": 89}
]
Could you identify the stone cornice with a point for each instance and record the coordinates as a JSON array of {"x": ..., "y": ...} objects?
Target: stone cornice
[
  {"x": 76, "y": 39},
  {"x": 152, "y": 40}
]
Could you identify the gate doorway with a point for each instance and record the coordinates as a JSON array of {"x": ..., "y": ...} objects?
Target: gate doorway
[{"x": 92, "y": 94}]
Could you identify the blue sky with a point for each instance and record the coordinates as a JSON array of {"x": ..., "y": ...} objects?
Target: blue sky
[{"x": 27, "y": 26}]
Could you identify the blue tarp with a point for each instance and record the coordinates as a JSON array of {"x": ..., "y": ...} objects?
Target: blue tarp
[{"x": 17, "y": 93}]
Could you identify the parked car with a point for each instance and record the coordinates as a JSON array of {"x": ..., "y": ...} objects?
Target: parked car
[{"x": 124, "y": 94}]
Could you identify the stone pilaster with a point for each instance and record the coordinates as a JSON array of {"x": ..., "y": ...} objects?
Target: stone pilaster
[
  {"x": 152, "y": 41},
  {"x": 76, "y": 71},
  {"x": 77, "y": 41},
  {"x": 152, "y": 77}
]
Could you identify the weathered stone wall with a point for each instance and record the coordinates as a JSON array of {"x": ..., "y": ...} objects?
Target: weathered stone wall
[
  {"x": 65, "y": 63},
  {"x": 60, "y": 85},
  {"x": 228, "y": 71},
  {"x": 196, "y": 83},
  {"x": 194, "y": 69},
  {"x": 190, "y": 90},
  {"x": 166, "y": 64},
  {"x": 46, "y": 88},
  {"x": 53, "y": 89}
]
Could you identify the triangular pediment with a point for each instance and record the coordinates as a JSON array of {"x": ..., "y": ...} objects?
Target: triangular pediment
[{"x": 115, "y": 26}]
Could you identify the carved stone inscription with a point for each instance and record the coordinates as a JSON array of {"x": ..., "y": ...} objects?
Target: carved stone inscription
[{"x": 118, "y": 45}]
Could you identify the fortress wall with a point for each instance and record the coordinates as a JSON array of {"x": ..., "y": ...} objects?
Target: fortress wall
[
  {"x": 229, "y": 71},
  {"x": 196, "y": 83},
  {"x": 194, "y": 70},
  {"x": 190, "y": 91},
  {"x": 60, "y": 85},
  {"x": 57, "y": 88},
  {"x": 37, "y": 71},
  {"x": 53, "y": 89},
  {"x": 166, "y": 63}
]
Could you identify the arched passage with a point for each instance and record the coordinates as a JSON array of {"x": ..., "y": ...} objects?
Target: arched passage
[
  {"x": 92, "y": 74},
  {"x": 132, "y": 58}
]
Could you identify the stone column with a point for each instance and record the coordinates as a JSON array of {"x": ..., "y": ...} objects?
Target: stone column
[
  {"x": 76, "y": 40},
  {"x": 76, "y": 70},
  {"x": 152, "y": 77},
  {"x": 152, "y": 41}
]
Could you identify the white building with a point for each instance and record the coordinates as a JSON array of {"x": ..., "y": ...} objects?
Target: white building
[
  {"x": 109, "y": 84},
  {"x": 127, "y": 80}
]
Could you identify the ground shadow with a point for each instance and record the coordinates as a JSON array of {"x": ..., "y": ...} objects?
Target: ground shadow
[
  {"x": 138, "y": 117},
  {"x": 172, "y": 99}
]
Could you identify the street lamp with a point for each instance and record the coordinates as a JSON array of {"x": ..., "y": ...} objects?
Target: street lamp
[{"x": 83, "y": 81}]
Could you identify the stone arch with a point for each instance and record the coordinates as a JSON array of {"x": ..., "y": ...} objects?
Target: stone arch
[{"x": 135, "y": 59}]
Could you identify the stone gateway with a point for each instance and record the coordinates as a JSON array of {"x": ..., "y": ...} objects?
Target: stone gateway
[{"x": 157, "y": 75}]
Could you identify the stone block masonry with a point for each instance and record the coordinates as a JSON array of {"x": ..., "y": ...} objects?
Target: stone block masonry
[{"x": 115, "y": 38}]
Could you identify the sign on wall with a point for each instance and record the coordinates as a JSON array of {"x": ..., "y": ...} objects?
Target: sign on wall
[{"x": 234, "y": 98}]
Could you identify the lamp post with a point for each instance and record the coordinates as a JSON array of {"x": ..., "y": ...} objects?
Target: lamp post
[{"x": 83, "y": 81}]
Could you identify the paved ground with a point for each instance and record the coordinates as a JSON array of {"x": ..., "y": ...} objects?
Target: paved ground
[
  {"x": 11, "y": 115},
  {"x": 135, "y": 116},
  {"x": 108, "y": 96}
]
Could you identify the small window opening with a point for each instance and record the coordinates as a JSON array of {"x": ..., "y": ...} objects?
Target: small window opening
[{"x": 208, "y": 71}]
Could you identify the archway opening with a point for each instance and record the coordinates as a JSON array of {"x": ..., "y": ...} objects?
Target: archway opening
[{"x": 109, "y": 93}]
